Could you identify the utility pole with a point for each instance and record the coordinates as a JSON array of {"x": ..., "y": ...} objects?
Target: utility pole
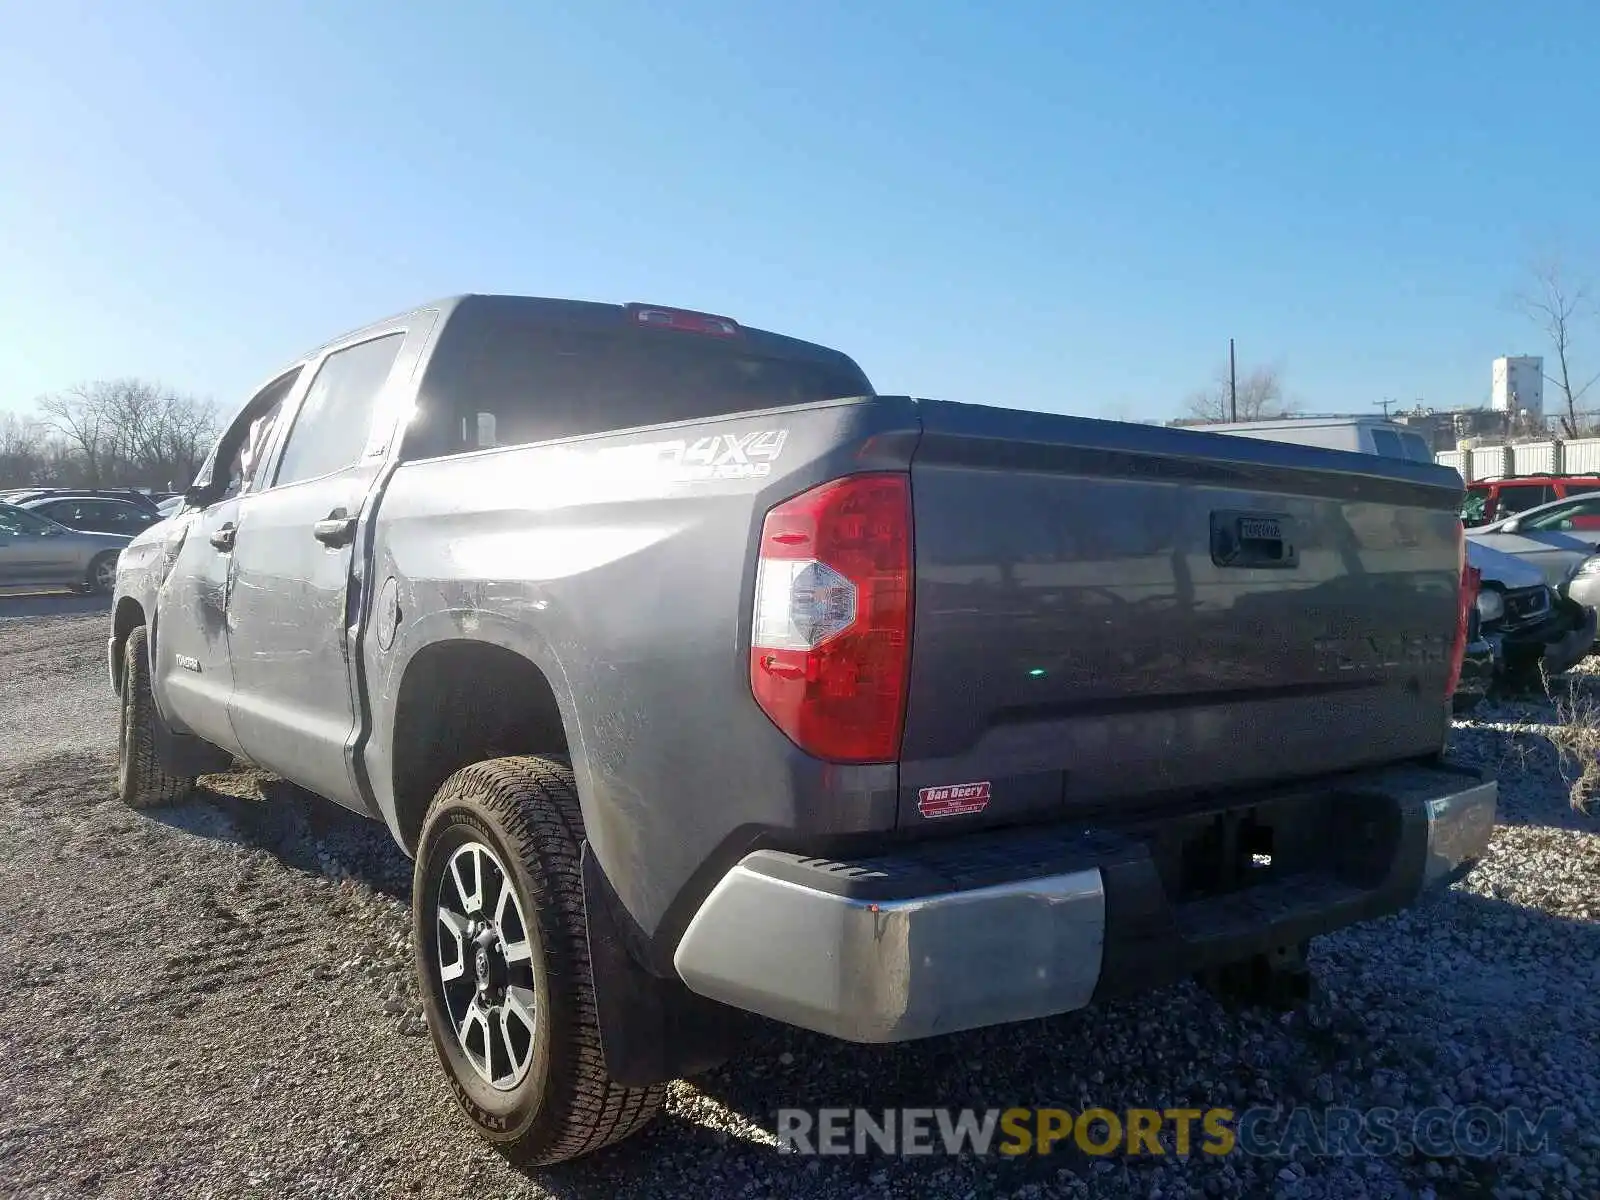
[{"x": 1233, "y": 386}]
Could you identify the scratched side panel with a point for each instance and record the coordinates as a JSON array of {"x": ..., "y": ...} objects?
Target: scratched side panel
[{"x": 622, "y": 566}]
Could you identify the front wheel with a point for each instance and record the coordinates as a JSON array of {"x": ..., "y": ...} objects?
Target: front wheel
[
  {"x": 503, "y": 960},
  {"x": 142, "y": 782}
]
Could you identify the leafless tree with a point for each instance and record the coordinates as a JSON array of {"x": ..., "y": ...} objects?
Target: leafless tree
[
  {"x": 131, "y": 432},
  {"x": 24, "y": 451},
  {"x": 1259, "y": 393},
  {"x": 1560, "y": 305},
  {"x": 80, "y": 418}
]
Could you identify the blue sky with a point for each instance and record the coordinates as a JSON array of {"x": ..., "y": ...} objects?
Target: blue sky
[{"x": 1058, "y": 206}]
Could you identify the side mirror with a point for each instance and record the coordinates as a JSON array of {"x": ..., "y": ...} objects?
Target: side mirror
[
  {"x": 196, "y": 495},
  {"x": 1511, "y": 526}
]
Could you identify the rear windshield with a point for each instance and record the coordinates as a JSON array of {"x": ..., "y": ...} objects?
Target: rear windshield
[{"x": 514, "y": 384}]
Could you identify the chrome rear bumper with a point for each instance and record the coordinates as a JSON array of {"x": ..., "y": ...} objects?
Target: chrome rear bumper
[{"x": 842, "y": 949}]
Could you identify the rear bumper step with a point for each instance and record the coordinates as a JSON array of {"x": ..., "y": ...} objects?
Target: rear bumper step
[{"x": 1024, "y": 923}]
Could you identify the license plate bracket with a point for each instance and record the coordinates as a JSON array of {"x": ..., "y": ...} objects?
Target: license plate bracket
[{"x": 1258, "y": 540}]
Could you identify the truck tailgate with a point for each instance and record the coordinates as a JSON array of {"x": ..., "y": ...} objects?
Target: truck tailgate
[{"x": 1110, "y": 613}]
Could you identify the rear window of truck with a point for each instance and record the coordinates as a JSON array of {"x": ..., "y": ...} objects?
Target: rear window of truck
[{"x": 511, "y": 384}]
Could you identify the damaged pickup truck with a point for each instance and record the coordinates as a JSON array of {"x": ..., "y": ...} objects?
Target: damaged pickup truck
[{"x": 700, "y": 681}]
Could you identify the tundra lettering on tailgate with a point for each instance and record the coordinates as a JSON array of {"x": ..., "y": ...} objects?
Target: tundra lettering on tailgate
[{"x": 1376, "y": 652}]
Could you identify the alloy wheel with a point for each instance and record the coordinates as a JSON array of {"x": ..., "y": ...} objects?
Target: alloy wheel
[{"x": 485, "y": 964}]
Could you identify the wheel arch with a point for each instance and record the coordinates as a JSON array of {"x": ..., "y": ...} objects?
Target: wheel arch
[{"x": 461, "y": 700}]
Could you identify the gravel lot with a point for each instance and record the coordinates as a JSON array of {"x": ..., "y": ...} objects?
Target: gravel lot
[{"x": 217, "y": 1001}]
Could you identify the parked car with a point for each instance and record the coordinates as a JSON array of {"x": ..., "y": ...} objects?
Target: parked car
[
  {"x": 615, "y": 634},
  {"x": 143, "y": 500},
  {"x": 93, "y": 513},
  {"x": 37, "y": 552},
  {"x": 1491, "y": 500},
  {"x": 1554, "y": 538},
  {"x": 1531, "y": 627}
]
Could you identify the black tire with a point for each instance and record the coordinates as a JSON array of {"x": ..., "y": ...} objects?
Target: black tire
[
  {"x": 101, "y": 579},
  {"x": 142, "y": 782},
  {"x": 525, "y": 812}
]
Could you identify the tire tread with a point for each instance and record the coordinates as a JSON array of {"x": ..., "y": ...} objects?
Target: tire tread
[
  {"x": 145, "y": 783},
  {"x": 535, "y": 800}
]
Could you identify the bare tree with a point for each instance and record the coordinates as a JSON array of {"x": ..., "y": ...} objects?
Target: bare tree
[
  {"x": 79, "y": 416},
  {"x": 24, "y": 451},
  {"x": 1559, "y": 306},
  {"x": 131, "y": 432},
  {"x": 1259, "y": 394}
]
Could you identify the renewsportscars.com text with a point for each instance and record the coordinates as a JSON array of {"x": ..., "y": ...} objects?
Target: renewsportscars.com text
[{"x": 1473, "y": 1131}]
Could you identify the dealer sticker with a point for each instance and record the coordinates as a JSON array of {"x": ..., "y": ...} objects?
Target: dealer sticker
[{"x": 953, "y": 800}]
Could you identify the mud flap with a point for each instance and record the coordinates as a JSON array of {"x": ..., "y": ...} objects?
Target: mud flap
[
  {"x": 651, "y": 1029},
  {"x": 187, "y": 756}
]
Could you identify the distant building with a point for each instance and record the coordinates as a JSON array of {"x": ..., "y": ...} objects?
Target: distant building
[{"x": 1518, "y": 386}]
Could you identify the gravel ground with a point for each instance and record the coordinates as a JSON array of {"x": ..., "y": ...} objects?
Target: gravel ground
[{"x": 217, "y": 1001}]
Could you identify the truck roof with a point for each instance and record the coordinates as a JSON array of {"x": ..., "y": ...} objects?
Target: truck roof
[{"x": 579, "y": 314}]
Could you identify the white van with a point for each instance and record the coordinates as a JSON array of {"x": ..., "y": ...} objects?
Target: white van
[{"x": 1364, "y": 435}]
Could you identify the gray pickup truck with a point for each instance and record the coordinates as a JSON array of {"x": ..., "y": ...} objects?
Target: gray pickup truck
[{"x": 701, "y": 682}]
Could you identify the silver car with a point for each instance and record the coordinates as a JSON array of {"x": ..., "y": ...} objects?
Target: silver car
[
  {"x": 36, "y": 552},
  {"x": 1553, "y": 537}
]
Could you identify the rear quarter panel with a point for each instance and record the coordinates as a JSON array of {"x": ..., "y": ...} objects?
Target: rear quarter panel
[{"x": 622, "y": 566}]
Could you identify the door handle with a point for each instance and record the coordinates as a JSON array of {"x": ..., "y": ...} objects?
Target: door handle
[
  {"x": 222, "y": 537},
  {"x": 336, "y": 529}
]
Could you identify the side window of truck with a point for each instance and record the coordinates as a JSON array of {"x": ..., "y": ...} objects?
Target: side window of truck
[
  {"x": 331, "y": 428},
  {"x": 235, "y": 460}
]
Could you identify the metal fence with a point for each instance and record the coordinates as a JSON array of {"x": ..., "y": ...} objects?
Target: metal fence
[{"x": 1579, "y": 457}]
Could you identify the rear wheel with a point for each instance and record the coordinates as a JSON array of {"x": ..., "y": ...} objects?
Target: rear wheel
[
  {"x": 503, "y": 960},
  {"x": 142, "y": 782}
]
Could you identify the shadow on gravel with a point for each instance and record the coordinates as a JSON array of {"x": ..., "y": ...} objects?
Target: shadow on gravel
[
  {"x": 50, "y": 604},
  {"x": 303, "y": 831}
]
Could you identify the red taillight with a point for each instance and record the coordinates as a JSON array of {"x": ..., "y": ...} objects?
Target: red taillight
[
  {"x": 682, "y": 320},
  {"x": 830, "y": 642},
  {"x": 1471, "y": 580}
]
